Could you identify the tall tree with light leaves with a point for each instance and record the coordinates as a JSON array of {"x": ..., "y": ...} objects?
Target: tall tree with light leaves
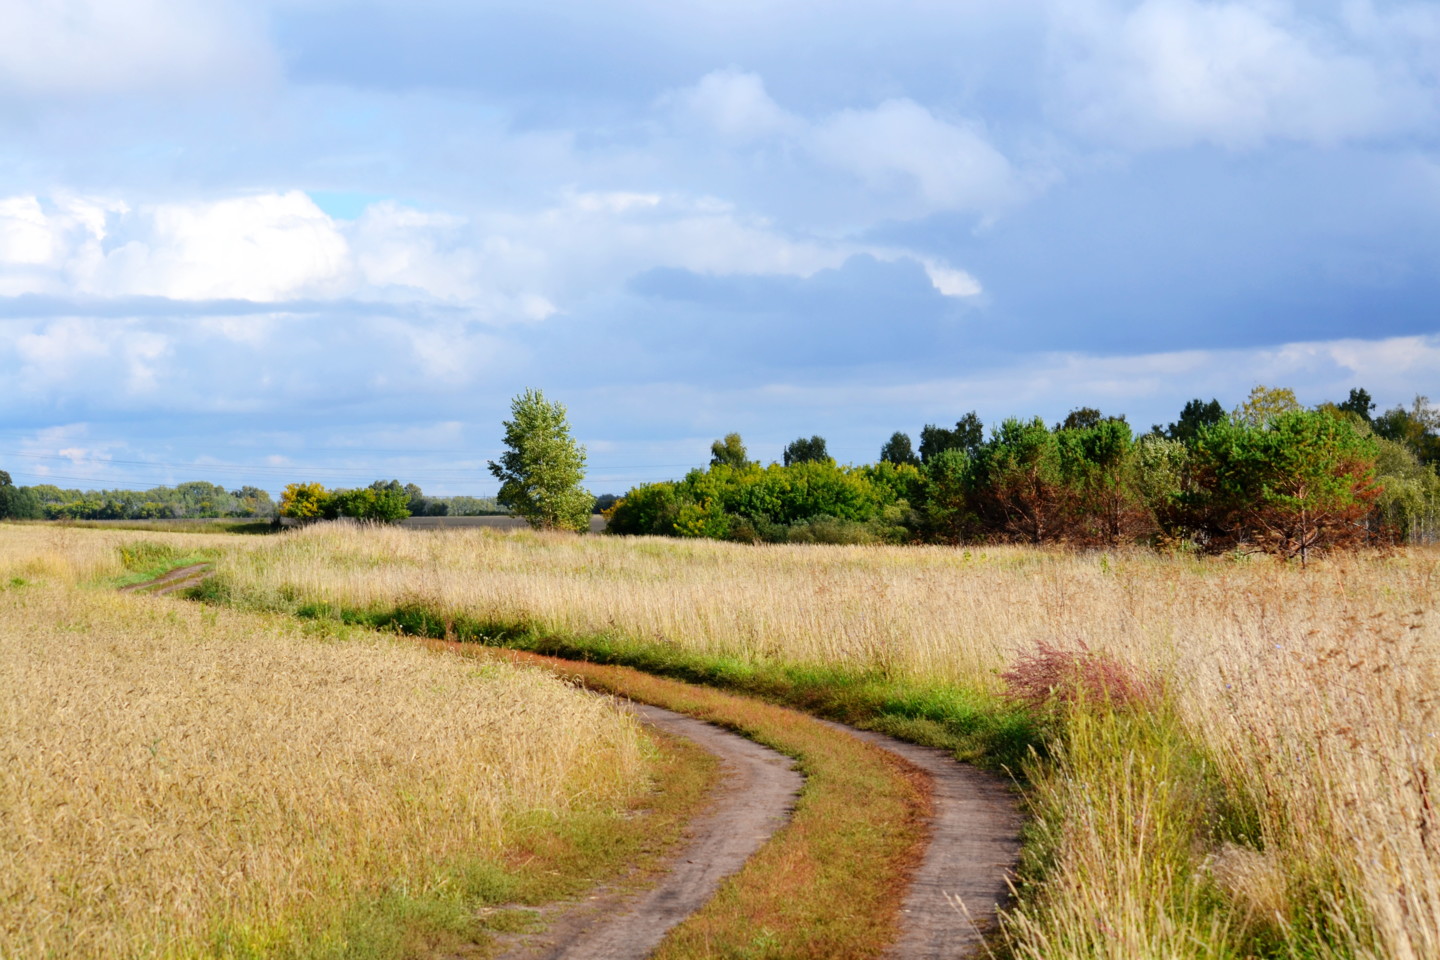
[{"x": 540, "y": 473}]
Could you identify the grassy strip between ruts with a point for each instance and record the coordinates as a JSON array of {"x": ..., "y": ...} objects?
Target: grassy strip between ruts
[{"x": 829, "y": 885}]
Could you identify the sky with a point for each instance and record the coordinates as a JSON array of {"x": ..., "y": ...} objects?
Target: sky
[{"x": 296, "y": 240}]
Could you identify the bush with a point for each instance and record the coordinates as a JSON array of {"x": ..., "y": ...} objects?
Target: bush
[{"x": 1302, "y": 481}]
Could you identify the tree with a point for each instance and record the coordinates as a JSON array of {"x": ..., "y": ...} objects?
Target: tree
[
  {"x": 306, "y": 502},
  {"x": 897, "y": 450},
  {"x": 1098, "y": 463},
  {"x": 1299, "y": 481},
  {"x": 1020, "y": 483},
  {"x": 729, "y": 452},
  {"x": 1417, "y": 428},
  {"x": 806, "y": 451},
  {"x": 1359, "y": 403},
  {"x": 1196, "y": 415},
  {"x": 968, "y": 435},
  {"x": 540, "y": 474},
  {"x": 17, "y": 503},
  {"x": 1265, "y": 404},
  {"x": 1083, "y": 418},
  {"x": 378, "y": 503}
]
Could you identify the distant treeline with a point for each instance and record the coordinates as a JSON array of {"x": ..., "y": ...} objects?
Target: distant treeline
[
  {"x": 194, "y": 499},
  {"x": 384, "y": 501},
  {"x": 1269, "y": 475},
  {"x": 198, "y": 499}
]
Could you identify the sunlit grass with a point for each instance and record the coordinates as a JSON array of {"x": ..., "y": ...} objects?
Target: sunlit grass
[
  {"x": 184, "y": 781},
  {"x": 1279, "y": 798}
]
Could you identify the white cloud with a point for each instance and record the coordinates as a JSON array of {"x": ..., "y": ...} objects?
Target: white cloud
[
  {"x": 901, "y": 146},
  {"x": 1235, "y": 74},
  {"x": 1149, "y": 387},
  {"x": 265, "y": 247},
  {"x": 70, "y": 48},
  {"x": 26, "y": 235},
  {"x": 501, "y": 267},
  {"x": 951, "y": 281},
  {"x": 73, "y": 352},
  {"x": 919, "y": 162},
  {"x": 733, "y": 104}
]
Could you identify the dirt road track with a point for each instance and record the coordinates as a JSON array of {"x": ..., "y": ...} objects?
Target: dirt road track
[
  {"x": 954, "y": 894},
  {"x": 974, "y": 848},
  {"x": 174, "y": 580},
  {"x": 757, "y": 792}
]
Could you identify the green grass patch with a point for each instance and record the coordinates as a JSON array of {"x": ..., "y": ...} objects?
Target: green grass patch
[{"x": 145, "y": 560}]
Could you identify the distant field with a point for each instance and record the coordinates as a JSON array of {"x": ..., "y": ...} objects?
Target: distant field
[
  {"x": 1264, "y": 784},
  {"x": 179, "y": 781},
  {"x": 597, "y": 523},
  {"x": 241, "y": 525}
]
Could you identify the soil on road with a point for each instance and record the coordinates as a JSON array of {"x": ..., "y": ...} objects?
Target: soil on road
[{"x": 756, "y": 794}]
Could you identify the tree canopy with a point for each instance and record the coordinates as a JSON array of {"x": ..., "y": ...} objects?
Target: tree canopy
[
  {"x": 540, "y": 474},
  {"x": 729, "y": 452},
  {"x": 801, "y": 450}
]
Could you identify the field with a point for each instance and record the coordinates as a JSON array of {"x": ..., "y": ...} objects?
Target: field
[
  {"x": 184, "y": 781},
  {"x": 1247, "y": 766}
]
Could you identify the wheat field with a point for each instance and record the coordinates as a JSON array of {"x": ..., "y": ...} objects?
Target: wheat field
[
  {"x": 180, "y": 781},
  {"x": 1300, "y": 705}
]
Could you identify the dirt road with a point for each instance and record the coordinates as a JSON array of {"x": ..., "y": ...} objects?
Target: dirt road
[
  {"x": 974, "y": 847},
  {"x": 757, "y": 792},
  {"x": 953, "y": 896},
  {"x": 177, "y": 579}
]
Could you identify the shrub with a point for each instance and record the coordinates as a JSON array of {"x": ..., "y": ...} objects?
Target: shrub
[{"x": 1052, "y": 677}]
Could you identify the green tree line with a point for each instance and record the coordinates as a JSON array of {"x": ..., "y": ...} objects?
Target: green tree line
[
  {"x": 1269, "y": 475},
  {"x": 194, "y": 499},
  {"x": 199, "y": 499}
]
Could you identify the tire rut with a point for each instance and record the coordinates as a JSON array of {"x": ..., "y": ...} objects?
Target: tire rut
[
  {"x": 757, "y": 792},
  {"x": 172, "y": 580},
  {"x": 963, "y": 881},
  {"x": 955, "y": 894}
]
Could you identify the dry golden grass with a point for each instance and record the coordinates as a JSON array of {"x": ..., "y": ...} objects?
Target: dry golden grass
[
  {"x": 175, "y": 780},
  {"x": 63, "y": 554},
  {"x": 1308, "y": 695}
]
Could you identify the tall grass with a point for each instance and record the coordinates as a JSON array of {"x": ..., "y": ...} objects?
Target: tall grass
[
  {"x": 182, "y": 781},
  {"x": 1277, "y": 797}
]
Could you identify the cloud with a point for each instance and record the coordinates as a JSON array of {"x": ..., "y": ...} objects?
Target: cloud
[
  {"x": 264, "y": 247},
  {"x": 733, "y": 104},
  {"x": 63, "y": 49},
  {"x": 904, "y": 155},
  {"x": 900, "y": 146},
  {"x": 1172, "y": 73}
]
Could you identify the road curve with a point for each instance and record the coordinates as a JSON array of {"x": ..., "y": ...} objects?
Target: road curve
[
  {"x": 974, "y": 847},
  {"x": 757, "y": 791},
  {"x": 954, "y": 895}
]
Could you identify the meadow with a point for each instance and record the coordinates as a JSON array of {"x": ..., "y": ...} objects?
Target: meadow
[
  {"x": 178, "y": 781},
  {"x": 1228, "y": 757}
]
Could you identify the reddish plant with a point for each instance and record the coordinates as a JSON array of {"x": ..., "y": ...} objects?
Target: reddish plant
[{"x": 1052, "y": 676}]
